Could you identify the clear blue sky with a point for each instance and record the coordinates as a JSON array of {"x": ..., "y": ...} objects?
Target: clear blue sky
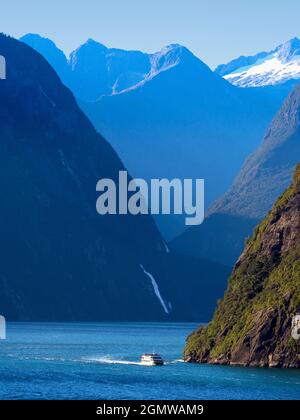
[{"x": 215, "y": 30}]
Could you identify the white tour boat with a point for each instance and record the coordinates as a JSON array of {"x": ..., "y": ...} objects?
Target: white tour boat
[{"x": 151, "y": 359}]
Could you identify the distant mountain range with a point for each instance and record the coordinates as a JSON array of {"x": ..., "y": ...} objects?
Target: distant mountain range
[
  {"x": 263, "y": 177},
  {"x": 265, "y": 68},
  {"x": 166, "y": 114},
  {"x": 60, "y": 260},
  {"x": 93, "y": 70}
]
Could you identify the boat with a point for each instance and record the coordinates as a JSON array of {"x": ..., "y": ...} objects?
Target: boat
[{"x": 151, "y": 359}]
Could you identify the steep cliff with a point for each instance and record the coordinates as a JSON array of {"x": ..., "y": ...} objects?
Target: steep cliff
[
  {"x": 252, "y": 324},
  {"x": 59, "y": 259}
]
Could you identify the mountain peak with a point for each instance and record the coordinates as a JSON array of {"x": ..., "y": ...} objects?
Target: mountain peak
[
  {"x": 91, "y": 44},
  {"x": 32, "y": 36},
  {"x": 48, "y": 49},
  {"x": 170, "y": 56},
  {"x": 40, "y": 43},
  {"x": 293, "y": 42},
  {"x": 287, "y": 51},
  {"x": 91, "y": 52},
  {"x": 175, "y": 46},
  {"x": 177, "y": 49}
]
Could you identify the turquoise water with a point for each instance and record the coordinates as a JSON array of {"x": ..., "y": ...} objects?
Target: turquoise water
[{"x": 100, "y": 361}]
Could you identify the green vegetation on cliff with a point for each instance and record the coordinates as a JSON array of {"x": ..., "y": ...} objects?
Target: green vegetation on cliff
[{"x": 252, "y": 323}]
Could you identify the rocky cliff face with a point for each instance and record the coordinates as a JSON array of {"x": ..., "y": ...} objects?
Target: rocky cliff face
[{"x": 252, "y": 324}]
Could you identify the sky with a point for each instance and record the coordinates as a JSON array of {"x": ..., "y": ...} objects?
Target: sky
[{"x": 214, "y": 30}]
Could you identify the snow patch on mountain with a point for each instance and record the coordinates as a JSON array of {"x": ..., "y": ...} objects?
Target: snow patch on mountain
[{"x": 278, "y": 66}]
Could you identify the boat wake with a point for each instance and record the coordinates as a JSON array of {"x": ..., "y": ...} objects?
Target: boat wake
[
  {"x": 111, "y": 361},
  {"x": 176, "y": 361}
]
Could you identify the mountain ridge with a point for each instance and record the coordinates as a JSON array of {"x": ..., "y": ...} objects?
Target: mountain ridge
[
  {"x": 149, "y": 64},
  {"x": 191, "y": 117}
]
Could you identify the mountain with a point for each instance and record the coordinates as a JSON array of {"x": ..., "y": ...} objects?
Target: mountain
[
  {"x": 263, "y": 177},
  {"x": 268, "y": 171},
  {"x": 60, "y": 260},
  {"x": 93, "y": 70},
  {"x": 266, "y": 68},
  {"x": 55, "y": 57},
  {"x": 171, "y": 116},
  {"x": 188, "y": 123},
  {"x": 252, "y": 325}
]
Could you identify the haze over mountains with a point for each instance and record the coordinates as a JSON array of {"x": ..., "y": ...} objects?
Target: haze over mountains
[
  {"x": 60, "y": 260},
  {"x": 263, "y": 177},
  {"x": 268, "y": 171},
  {"x": 265, "y": 68},
  {"x": 166, "y": 114}
]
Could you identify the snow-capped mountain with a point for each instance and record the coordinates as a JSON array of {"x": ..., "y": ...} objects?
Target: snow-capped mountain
[{"x": 266, "y": 68}]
